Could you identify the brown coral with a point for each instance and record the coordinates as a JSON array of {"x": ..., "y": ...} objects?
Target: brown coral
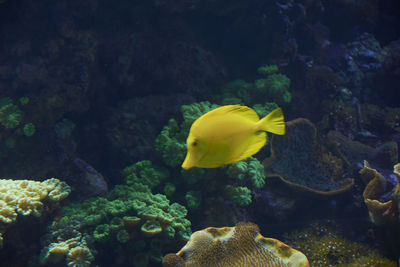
[
  {"x": 379, "y": 212},
  {"x": 300, "y": 159},
  {"x": 241, "y": 245}
]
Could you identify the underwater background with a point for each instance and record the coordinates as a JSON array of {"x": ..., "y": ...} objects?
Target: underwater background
[{"x": 96, "y": 102}]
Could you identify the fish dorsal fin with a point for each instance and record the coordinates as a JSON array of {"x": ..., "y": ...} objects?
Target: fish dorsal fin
[
  {"x": 254, "y": 144},
  {"x": 239, "y": 110}
]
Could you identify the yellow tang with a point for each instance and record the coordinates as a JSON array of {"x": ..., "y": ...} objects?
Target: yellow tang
[{"x": 229, "y": 134}]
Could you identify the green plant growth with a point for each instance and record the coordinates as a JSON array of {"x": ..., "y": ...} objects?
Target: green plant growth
[
  {"x": 273, "y": 86},
  {"x": 129, "y": 210},
  {"x": 10, "y": 114},
  {"x": 29, "y": 129}
]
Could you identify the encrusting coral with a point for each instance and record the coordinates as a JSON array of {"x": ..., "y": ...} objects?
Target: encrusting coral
[
  {"x": 325, "y": 247},
  {"x": 301, "y": 161},
  {"x": 239, "y": 246}
]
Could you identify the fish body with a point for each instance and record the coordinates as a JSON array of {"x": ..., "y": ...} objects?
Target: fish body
[{"x": 229, "y": 134}]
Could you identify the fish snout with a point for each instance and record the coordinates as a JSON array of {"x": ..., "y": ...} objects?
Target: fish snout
[{"x": 186, "y": 165}]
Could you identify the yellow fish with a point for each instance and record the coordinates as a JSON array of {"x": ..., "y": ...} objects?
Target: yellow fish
[{"x": 229, "y": 134}]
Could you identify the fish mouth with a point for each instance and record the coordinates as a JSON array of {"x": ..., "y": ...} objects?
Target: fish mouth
[{"x": 186, "y": 165}]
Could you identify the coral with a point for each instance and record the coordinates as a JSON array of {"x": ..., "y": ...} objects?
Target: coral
[
  {"x": 237, "y": 90},
  {"x": 129, "y": 212},
  {"x": 247, "y": 169},
  {"x": 79, "y": 256},
  {"x": 264, "y": 110},
  {"x": 273, "y": 85},
  {"x": 25, "y": 197},
  {"x": 267, "y": 70},
  {"x": 24, "y": 100},
  {"x": 380, "y": 212},
  {"x": 64, "y": 128},
  {"x": 123, "y": 236},
  {"x": 145, "y": 172},
  {"x": 171, "y": 142},
  {"x": 169, "y": 189},
  {"x": 29, "y": 129},
  {"x": 69, "y": 246},
  {"x": 241, "y": 245},
  {"x": 356, "y": 152},
  {"x": 10, "y": 114},
  {"x": 300, "y": 160},
  {"x": 241, "y": 195},
  {"x": 325, "y": 247},
  {"x": 151, "y": 228},
  {"x": 170, "y": 145},
  {"x": 193, "y": 199},
  {"x": 102, "y": 233},
  {"x": 276, "y": 85}
]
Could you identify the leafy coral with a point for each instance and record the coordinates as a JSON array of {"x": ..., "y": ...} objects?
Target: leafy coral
[
  {"x": 248, "y": 169},
  {"x": 241, "y": 195},
  {"x": 273, "y": 85},
  {"x": 145, "y": 172},
  {"x": 129, "y": 210}
]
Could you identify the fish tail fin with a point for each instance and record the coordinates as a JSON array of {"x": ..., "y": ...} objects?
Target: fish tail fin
[{"x": 273, "y": 122}]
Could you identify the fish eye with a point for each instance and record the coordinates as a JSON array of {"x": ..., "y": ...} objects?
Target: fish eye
[{"x": 194, "y": 143}]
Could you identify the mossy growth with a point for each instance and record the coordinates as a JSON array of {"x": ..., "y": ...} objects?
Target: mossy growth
[
  {"x": 145, "y": 172},
  {"x": 241, "y": 195},
  {"x": 24, "y": 100},
  {"x": 193, "y": 199},
  {"x": 10, "y": 114},
  {"x": 249, "y": 169},
  {"x": 29, "y": 129},
  {"x": 325, "y": 247},
  {"x": 272, "y": 85},
  {"x": 169, "y": 189}
]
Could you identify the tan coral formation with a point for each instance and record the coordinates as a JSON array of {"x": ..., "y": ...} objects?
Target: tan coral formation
[
  {"x": 26, "y": 197},
  {"x": 380, "y": 212},
  {"x": 241, "y": 245}
]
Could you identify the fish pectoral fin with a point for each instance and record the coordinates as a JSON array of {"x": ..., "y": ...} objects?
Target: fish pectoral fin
[{"x": 254, "y": 144}]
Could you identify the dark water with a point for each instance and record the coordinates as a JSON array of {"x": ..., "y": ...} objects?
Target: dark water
[{"x": 88, "y": 88}]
